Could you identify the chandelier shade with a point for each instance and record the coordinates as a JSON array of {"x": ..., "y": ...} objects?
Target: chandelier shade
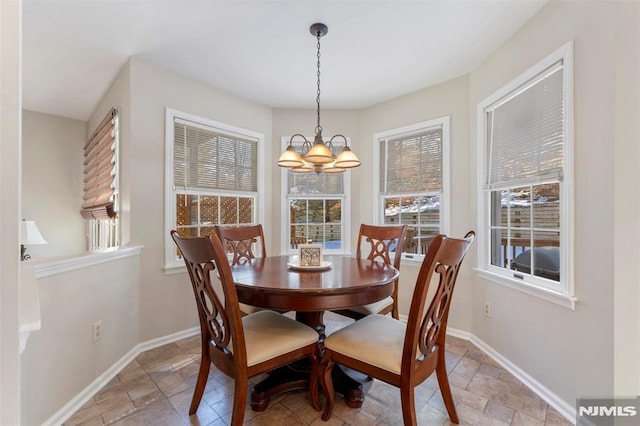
[{"x": 319, "y": 156}]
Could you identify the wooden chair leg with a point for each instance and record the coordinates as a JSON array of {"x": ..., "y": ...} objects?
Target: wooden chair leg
[
  {"x": 201, "y": 382},
  {"x": 313, "y": 383},
  {"x": 239, "y": 400},
  {"x": 327, "y": 386},
  {"x": 445, "y": 389},
  {"x": 407, "y": 398}
]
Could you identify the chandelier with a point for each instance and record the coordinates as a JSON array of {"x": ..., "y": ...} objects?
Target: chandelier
[{"x": 319, "y": 157}]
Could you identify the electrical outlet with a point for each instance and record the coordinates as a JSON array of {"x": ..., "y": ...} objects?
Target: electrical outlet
[
  {"x": 97, "y": 330},
  {"x": 487, "y": 309}
]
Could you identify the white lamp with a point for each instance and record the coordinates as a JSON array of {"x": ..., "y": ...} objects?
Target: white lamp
[{"x": 29, "y": 235}]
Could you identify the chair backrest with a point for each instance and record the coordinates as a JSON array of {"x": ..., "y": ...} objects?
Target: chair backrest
[
  {"x": 240, "y": 240},
  {"x": 220, "y": 317},
  {"x": 426, "y": 332},
  {"x": 382, "y": 240}
]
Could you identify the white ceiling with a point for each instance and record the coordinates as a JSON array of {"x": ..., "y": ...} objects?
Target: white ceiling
[{"x": 261, "y": 50}]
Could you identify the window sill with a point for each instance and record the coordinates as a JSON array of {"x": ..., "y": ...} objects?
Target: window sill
[
  {"x": 560, "y": 299},
  {"x": 47, "y": 267},
  {"x": 175, "y": 269},
  {"x": 415, "y": 259}
]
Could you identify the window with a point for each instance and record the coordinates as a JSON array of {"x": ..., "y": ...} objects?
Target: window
[
  {"x": 412, "y": 181},
  {"x": 100, "y": 200},
  {"x": 317, "y": 208},
  {"x": 525, "y": 212},
  {"x": 211, "y": 177}
]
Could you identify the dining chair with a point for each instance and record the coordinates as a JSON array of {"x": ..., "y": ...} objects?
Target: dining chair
[
  {"x": 403, "y": 355},
  {"x": 240, "y": 347},
  {"x": 242, "y": 241},
  {"x": 380, "y": 242}
]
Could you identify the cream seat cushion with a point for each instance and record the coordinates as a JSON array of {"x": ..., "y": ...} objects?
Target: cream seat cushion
[
  {"x": 373, "y": 308},
  {"x": 269, "y": 334},
  {"x": 376, "y": 339}
]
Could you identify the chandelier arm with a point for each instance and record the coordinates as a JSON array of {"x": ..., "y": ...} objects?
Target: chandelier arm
[{"x": 338, "y": 136}]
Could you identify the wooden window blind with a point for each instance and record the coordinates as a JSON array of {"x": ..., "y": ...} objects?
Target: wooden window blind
[{"x": 100, "y": 170}]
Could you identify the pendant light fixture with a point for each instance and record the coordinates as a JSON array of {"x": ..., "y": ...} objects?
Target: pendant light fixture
[{"x": 319, "y": 157}]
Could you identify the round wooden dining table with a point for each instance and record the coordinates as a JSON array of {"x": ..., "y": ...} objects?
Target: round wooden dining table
[{"x": 278, "y": 283}]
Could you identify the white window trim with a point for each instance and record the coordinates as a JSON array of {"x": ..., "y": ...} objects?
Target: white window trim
[
  {"x": 285, "y": 229},
  {"x": 566, "y": 296},
  {"x": 171, "y": 265},
  {"x": 445, "y": 201}
]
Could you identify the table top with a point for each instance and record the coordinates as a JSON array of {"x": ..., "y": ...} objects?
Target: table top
[{"x": 270, "y": 283}]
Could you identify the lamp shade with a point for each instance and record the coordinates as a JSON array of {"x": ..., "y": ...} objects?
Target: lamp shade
[
  {"x": 331, "y": 168},
  {"x": 347, "y": 159},
  {"x": 319, "y": 154},
  {"x": 290, "y": 158},
  {"x": 306, "y": 167},
  {"x": 29, "y": 233}
]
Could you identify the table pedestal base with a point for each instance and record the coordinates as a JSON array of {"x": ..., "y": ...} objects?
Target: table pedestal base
[{"x": 296, "y": 377}]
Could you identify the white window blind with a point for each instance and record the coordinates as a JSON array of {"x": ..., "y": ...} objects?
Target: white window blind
[
  {"x": 525, "y": 131},
  {"x": 101, "y": 170},
  {"x": 210, "y": 160},
  {"x": 412, "y": 163}
]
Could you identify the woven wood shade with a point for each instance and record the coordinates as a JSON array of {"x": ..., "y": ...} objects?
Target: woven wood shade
[{"x": 100, "y": 157}]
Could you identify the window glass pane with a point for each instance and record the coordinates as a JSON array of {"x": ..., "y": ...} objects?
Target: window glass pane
[
  {"x": 391, "y": 211},
  {"x": 419, "y": 238},
  {"x": 499, "y": 253},
  {"x": 411, "y": 181},
  {"x": 188, "y": 232},
  {"x": 546, "y": 206},
  {"x": 298, "y": 211},
  {"x": 546, "y": 255},
  {"x": 246, "y": 210},
  {"x": 334, "y": 210},
  {"x": 519, "y": 242},
  {"x": 546, "y": 239},
  {"x": 316, "y": 211},
  {"x": 207, "y": 230},
  {"x": 208, "y": 210},
  {"x": 229, "y": 210},
  {"x": 499, "y": 207},
  {"x": 186, "y": 211},
  {"x": 333, "y": 236},
  {"x": 520, "y": 204},
  {"x": 429, "y": 208}
]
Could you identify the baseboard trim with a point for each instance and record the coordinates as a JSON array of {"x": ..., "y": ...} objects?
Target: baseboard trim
[
  {"x": 87, "y": 393},
  {"x": 560, "y": 405}
]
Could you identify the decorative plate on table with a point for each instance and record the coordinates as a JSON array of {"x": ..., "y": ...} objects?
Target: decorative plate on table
[{"x": 295, "y": 265}]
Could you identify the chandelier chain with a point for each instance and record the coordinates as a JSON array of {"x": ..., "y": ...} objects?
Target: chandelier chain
[{"x": 318, "y": 127}]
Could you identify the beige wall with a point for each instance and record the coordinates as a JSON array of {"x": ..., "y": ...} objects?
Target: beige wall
[
  {"x": 166, "y": 301},
  {"x": 627, "y": 203},
  {"x": 61, "y": 359},
  {"x": 569, "y": 352},
  {"x": 10, "y": 188},
  {"x": 52, "y": 156}
]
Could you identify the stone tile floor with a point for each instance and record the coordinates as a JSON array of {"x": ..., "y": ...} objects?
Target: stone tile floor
[{"x": 156, "y": 389}]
